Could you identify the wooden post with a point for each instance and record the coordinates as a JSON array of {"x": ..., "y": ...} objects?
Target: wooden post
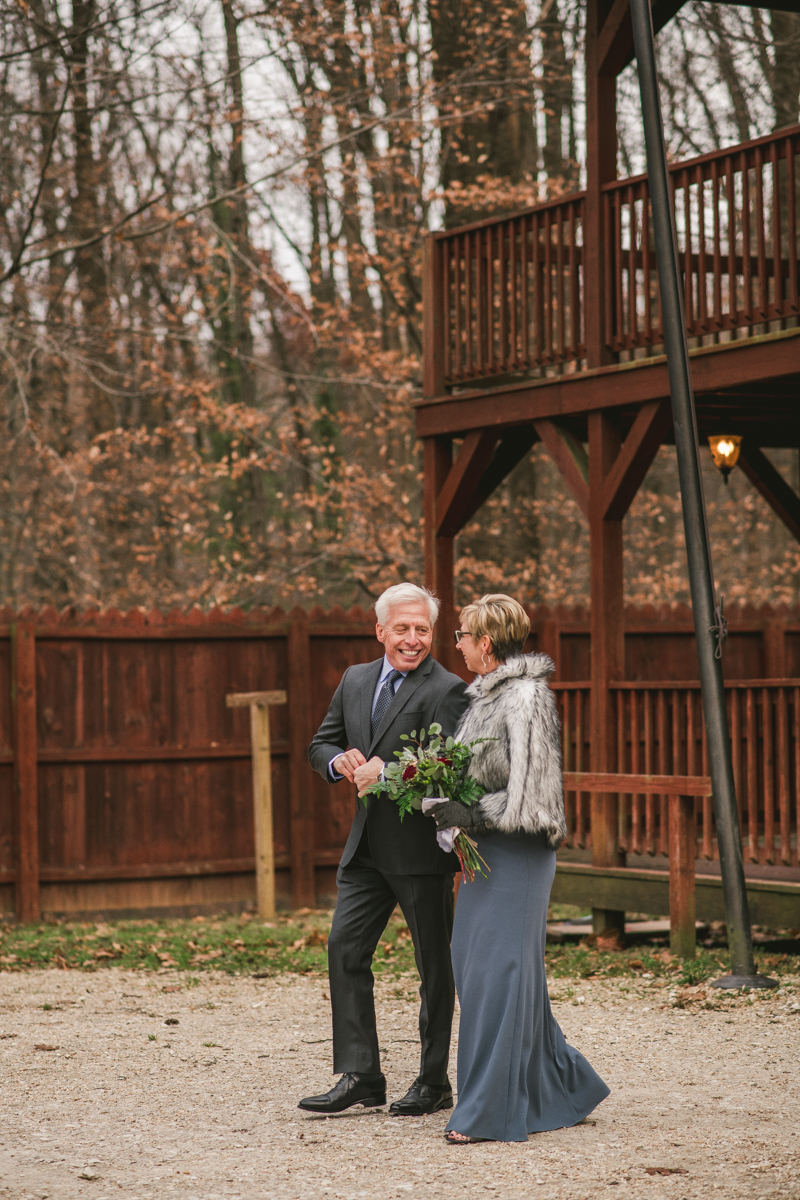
[
  {"x": 438, "y": 458},
  {"x": 608, "y": 651},
  {"x": 601, "y": 167},
  {"x": 682, "y": 851},
  {"x": 774, "y": 643},
  {"x": 259, "y": 703},
  {"x": 301, "y": 817},
  {"x": 23, "y": 704},
  {"x": 432, "y": 311}
]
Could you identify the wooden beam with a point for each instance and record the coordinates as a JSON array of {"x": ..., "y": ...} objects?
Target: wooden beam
[
  {"x": 634, "y": 459},
  {"x": 682, "y": 852},
  {"x": 457, "y": 492},
  {"x": 26, "y": 806},
  {"x": 638, "y": 785},
  {"x": 767, "y": 480},
  {"x": 569, "y": 457},
  {"x": 615, "y": 39},
  {"x": 511, "y": 449},
  {"x": 245, "y": 699},
  {"x": 715, "y": 371}
]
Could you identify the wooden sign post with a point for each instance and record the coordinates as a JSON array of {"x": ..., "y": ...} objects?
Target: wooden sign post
[{"x": 259, "y": 704}]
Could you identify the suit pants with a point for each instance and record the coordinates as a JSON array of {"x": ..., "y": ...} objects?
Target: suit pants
[{"x": 366, "y": 900}]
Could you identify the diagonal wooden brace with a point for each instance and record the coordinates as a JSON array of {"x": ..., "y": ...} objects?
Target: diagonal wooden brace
[
  {"x": 569, "y": 457},
  {"x": 635, "y": 458},
  {"x": 782, "y": 499}
]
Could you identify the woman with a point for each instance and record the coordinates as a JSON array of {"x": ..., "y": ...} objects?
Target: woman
[{"x": 516, "y": 1073}]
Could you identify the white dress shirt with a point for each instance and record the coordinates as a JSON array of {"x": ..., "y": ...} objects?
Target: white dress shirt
[{"x": 386, "y": 669}]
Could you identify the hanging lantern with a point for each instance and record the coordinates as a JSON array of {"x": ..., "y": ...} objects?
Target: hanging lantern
[{"x": 725, "y": 452}]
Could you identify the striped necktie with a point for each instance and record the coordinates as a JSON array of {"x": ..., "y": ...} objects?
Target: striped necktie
[{"x": 385, "y": 697}]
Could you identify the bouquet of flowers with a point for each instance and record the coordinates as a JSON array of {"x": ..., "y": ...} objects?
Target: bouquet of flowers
[{"x": 433, "y": 772}]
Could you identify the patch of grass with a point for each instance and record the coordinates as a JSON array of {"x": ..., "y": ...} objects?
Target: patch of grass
[
  {"x": 232, "y": 945},
  {"x": 584, "y": 962},
  {"x": 297, "y": 943}
]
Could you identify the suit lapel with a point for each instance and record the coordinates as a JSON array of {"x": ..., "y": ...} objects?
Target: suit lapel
[
  {"x": 371, "y": 677},
  {"x": 401, "y": 697}
]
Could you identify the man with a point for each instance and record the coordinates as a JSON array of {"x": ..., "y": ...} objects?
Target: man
[{"x": 386, "y": 861}]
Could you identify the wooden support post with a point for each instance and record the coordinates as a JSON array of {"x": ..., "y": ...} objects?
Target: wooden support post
[
  {"x": 301, "y": 844},
  {"x": 432, "y": 323},
  {"x": 601, "y": 167},
  {"x": 608, "y": 651},
  {"x": 774, "y": 643},
  {"x": 439, "y": 550},
  {"x": 259, "y": 705},
  {"x": 682, "y": 851},
  {"x": 23, "y": 704}
]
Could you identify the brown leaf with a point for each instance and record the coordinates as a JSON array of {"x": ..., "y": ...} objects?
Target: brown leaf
[
  {"x": 42, "y": 1046},
  {"x": 666, "y": 1171}
]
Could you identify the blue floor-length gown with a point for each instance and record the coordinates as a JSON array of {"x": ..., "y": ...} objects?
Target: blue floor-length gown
[{"x": 516, "y": 1073}]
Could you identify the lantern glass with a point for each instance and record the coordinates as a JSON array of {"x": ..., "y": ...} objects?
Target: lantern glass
[{"x": 725, "y": 452}]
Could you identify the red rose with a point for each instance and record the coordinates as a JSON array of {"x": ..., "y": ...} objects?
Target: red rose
[
  {"x": 409, "y": 773},
  {"x": 448, "y": 762}
]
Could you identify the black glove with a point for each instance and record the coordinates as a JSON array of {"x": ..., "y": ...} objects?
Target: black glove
[{"x": 453, "y": 814}]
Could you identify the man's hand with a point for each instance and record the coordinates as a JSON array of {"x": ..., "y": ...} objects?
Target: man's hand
[
  {"x": 365, "y": 775},
  {"x": 346, "y": 764}
]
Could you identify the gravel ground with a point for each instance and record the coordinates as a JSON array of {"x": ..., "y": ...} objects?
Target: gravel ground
[{"x": 161, "y": 1085}]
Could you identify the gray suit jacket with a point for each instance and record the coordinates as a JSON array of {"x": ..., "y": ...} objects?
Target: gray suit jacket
[{"x": 428, "y": 694}]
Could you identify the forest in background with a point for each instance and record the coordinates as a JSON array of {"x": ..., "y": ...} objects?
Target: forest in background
[{"x": 210, "y": 305}]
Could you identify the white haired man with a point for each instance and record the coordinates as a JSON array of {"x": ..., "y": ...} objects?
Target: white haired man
[{"x": 386, "y": 861}]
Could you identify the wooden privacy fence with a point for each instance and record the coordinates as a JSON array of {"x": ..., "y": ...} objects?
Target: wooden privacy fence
[
  {"x": 126, "y": 782},
  {"x": 660, "y": 730},
  {"x": 507, "y": 295}
]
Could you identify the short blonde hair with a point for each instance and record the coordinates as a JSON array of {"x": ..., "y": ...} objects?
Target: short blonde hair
[{"x": 503, "y": 619}]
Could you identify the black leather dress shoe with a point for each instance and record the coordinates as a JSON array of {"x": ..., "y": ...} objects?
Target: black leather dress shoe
[
  {"x": 422, "y": 1098},
  {"x": 369, "y": 1090}
]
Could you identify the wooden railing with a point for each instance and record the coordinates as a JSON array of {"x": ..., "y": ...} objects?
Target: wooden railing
[
  {"x": 508, "y": 295},
  {"x": 510, "y": 292},
  {"x": 660, "y": 731},
  {"x": 736, "y": 218}
]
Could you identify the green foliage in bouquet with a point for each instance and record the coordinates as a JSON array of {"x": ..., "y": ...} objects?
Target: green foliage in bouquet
[{"x": 436, "y": 769}]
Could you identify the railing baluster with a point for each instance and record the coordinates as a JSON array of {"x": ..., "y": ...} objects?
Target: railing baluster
[
  {"x": 763, "y": 288},
  {"x": 470, "y": 365},
  {"x": 449, "y": 299},
  {"x": 514, "y": 358},
  {"x": 784, "y": 775},
  {"x": 777, "y": 258},
  {"x": 702, "y": 296},
  {"x": 791, "y": 227},
  {"x": 715, "y": 191},
  {"x": 688, "y": 288},
  {"x": 503, "y": 349},
  {"x": 548, "y": 286},
  {"x": 611, "y": 267},
  {"x": 663, "y": 769},
  {"x": 620, "y": 298},
  {"x": 481, "y": 291},
  {"x": 733, "y": 306},
  {"x": 538, "y": 291},
  {"x": 574, "y": 286},
  {"x": 648, "y": 305},
  {"x": 752, "y": 775},
  {"x": 650, "y": 801},
  {"x": 632, "y": 321},
  {"x": 561, "y": 328},
  {"x": 747, "y": 265},
  {"x": 768, "y": 766}
]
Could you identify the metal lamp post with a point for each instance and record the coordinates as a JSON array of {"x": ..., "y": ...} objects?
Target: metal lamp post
[{"x": 708, "y": 621}]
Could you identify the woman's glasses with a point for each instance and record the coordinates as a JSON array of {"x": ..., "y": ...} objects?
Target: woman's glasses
[{"x": 462, "y": 633}]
